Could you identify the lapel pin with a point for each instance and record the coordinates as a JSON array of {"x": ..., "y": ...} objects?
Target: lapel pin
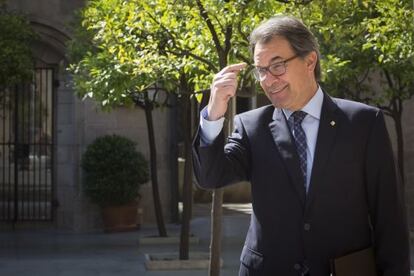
[{"x": 333, "y": 123}]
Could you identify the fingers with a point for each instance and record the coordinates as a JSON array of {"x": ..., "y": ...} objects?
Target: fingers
[
  {"x": 225, "y": 82},
  {"x": 230, "y": 71},
  {"x": 228, "y": 75},
  {"x": 236, "y": 68},
  {"x": 223, "y": 88}
]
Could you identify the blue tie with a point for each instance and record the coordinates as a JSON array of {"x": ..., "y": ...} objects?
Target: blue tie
[{"x": 295, "y": 121}]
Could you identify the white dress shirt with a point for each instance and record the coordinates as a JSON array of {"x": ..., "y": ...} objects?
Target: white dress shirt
[{"x": 310, "y": 124}]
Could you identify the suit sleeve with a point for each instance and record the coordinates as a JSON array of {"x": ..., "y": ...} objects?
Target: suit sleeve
[
  {"x": 218, "y": 164},
  {"x": 386, "y": 204}
]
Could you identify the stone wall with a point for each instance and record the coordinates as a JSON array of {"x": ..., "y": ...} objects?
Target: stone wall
[
  {"x": 130, "y": 123},
  {"x": 408, "y": 128},
  {"x": 408, "y": 132}
]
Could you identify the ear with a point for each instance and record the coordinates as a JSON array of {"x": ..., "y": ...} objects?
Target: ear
[{"x": 311, "y": 61}]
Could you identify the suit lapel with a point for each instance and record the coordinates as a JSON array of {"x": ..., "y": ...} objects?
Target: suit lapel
[
  {"x": 328, "y": 126},
  {"x": 283, "y": 139}
]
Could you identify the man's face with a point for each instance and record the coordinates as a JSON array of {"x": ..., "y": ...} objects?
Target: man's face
[{"x": 293, "y": 89}]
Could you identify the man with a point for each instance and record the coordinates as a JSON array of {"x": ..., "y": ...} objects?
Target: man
[{"x": 323, "y": 179}]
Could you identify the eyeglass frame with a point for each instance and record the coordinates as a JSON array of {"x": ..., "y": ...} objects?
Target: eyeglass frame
[{"x": 256, "y": 69}]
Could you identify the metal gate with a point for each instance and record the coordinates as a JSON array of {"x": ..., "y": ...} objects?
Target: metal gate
[{"x": 26, "y": 149}]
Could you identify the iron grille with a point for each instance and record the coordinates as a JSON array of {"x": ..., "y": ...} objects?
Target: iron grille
[{"x": 26, "y": 149}]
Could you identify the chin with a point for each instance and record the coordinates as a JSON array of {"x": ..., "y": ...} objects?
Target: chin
[{"x": 277, "y": 102}]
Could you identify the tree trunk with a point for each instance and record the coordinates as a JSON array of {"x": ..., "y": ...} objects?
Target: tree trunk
[
  {"x": 188, "y": 181},
  {"x": 174, "y": 122},
  {"x": 217, "y": 208},
  {"x": 153, "y": 165},
  {"x": 215, "y": 239},
  {"x": 400, "y": 144}
]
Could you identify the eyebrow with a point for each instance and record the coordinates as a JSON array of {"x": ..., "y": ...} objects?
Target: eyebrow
[
  {"x": 275, "y": 58},
  {"x": 272, "y": 60}
]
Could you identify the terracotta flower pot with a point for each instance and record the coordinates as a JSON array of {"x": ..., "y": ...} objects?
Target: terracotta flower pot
[{"x": 121, "y": 218}]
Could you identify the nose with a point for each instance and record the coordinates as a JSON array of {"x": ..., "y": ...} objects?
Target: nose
[{"x": 269, "y": 79}]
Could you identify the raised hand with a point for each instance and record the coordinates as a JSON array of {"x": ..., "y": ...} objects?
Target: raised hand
[{"x": 223, "y": 88}]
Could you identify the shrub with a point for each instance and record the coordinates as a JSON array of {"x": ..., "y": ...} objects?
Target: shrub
[{"x": 114, "y": 170}]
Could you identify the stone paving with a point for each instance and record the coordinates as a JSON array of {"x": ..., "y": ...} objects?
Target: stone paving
[{"x": 47, "y": 252}]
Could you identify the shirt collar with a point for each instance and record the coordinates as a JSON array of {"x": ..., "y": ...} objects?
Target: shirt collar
[{"x": 313, "y": 107}]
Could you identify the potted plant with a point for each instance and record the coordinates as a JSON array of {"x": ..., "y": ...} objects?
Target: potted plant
[{"x": 113, "y": 172}]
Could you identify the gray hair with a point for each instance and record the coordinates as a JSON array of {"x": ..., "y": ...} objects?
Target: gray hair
[{"x": 294, "y": 31}]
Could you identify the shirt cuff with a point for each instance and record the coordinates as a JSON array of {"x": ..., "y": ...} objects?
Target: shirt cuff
[{"x": 209, "y": 129}]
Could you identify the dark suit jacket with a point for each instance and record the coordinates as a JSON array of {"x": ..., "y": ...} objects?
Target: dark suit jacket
[{"x": 354, "y": 200}]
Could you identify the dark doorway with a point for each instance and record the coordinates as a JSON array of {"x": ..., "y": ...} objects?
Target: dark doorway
[{"x": 26, "y": 149}]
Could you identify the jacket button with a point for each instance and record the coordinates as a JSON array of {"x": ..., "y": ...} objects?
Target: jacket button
[
  {"x": 306, "y": 226},
  {"x": 297, "y": 266}
]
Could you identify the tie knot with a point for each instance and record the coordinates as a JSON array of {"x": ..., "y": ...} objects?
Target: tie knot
[{"x": 298, "y": 116}]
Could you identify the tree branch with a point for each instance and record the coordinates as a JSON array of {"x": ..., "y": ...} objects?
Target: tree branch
[
  {"x": 183, "y": 52},
  {"x": 401, "y": 85},
  {"x": 218, "y": 22},
  {"x": 210, "y": 26},
  {"x": 243, "y": 35},
  {"x": 389, "y": 79},
  {"x": 400, "y": 105},
  {"x": 360, "y": 81},
  {"x": 243, "y": 58},
  {"x": 162, "y": 27},
  {"x": 227, "y": 41},
  {"x": 300, "y": 2}
]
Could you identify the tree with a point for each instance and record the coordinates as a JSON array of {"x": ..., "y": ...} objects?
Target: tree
[
  {"x": 390, "y": 40},
  {"x": 202, "y": 36},
  {"x": 130, "y": 45},
  {"x": 102, "y": 70},
  {"x": 185, "y": 36},
  {"x": 367, "y": 52},
  {"x": 16, "y": 57}
]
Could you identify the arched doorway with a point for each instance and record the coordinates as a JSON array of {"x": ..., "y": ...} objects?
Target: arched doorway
[{"x": 27, "y": 135}]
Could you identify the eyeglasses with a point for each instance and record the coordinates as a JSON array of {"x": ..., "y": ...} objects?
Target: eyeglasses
[{"x": 276, "y": 69}]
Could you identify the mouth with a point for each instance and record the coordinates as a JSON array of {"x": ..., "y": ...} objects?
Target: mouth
[{"x": 277, "y": 90}]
